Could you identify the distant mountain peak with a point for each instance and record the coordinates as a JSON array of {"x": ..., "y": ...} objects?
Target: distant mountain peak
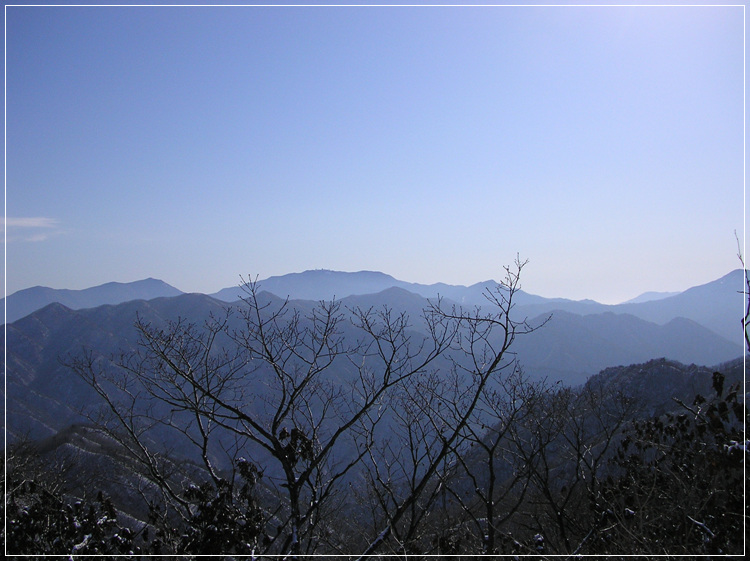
[
  {"x": 713, "y": 304},
  {"x": 650, "y": 297},
  {"x": 332, "y": 272},
  {"x": 318, "y": 284},
  {"x": 24, "y": 302}
]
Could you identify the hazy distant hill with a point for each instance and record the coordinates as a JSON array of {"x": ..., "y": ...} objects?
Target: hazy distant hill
[
  {"x": 572, "y": 347},
  {"x": 717, "y": 305},
  {"x": 23, "y": 302},
  {"x": 44, "y": 396},
  {"x": 319, "y": 284},
  {"x": 650, "y": 296},
  {"x": 45, "y": 399},
  {"x": 700, "y": 325},
  {"x": 323, "y": 284}
]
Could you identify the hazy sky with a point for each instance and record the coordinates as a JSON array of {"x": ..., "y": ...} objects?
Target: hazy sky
[{"x": 197, "y": 144}]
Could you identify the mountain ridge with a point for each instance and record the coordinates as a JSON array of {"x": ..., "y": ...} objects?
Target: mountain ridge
[
  {"x": 24, "y": 302},
  {"x": 569, "y": 348},
  {"x": 650, "y": 296},
  {"x": 713, "y": 304}
]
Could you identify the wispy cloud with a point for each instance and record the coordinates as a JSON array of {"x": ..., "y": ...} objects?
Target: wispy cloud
[
  {"x": 33, "y": 222},
  {"x": 30, "y": 229}
]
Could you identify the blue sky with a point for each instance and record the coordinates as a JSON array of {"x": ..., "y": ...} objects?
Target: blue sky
[{"x": 198, "y": 144}]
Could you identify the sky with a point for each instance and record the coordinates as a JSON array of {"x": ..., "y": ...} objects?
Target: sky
[{"x": 605, "y": 144}]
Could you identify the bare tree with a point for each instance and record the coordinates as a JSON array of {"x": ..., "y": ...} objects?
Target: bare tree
[
  {"x": 291, "y": 429},
  {"x": 491, "y": 481},
  {"x": 746, "y": 292},
  {"x": 565, "y": 442},
  {"x": 291, "y": 389},
  {"x": 439, "y": 410}
]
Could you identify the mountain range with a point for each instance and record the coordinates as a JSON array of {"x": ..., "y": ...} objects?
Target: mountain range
[
  {"x": 24, "y": 302},
  {"x": 651, "y": 351},
  {"x": 581, "y": 339},
  {"x": 717, "y": 305}
]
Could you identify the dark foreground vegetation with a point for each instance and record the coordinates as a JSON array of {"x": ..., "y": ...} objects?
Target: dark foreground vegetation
[{"x": 288, "y": 432}]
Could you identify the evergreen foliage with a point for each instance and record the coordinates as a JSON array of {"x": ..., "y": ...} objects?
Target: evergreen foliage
[{"x": 678, "y": 483}]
